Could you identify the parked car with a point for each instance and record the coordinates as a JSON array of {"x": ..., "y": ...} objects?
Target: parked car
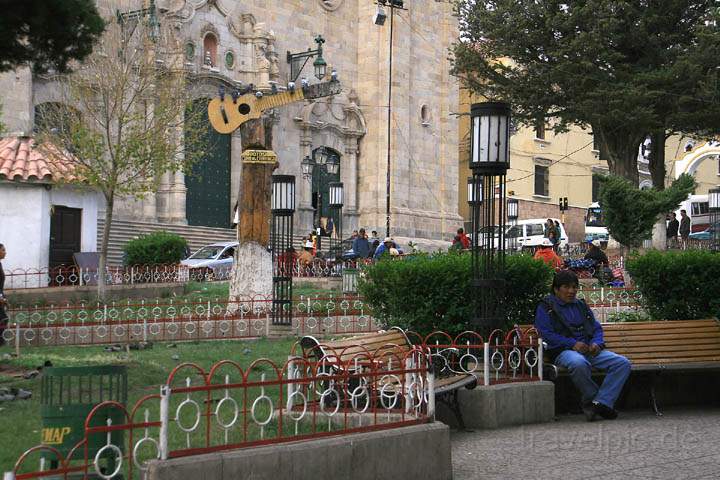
[
  {"x": 216, "y": 258},
  {"x": 529, "y": 232},
  {"x": 706, "y": 234}
]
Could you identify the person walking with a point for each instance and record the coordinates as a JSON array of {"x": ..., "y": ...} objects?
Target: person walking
[
  {"x": 672, "y": 231},
  {"x": 575, "y": 341},
  {"x": 684, "y": 228}
]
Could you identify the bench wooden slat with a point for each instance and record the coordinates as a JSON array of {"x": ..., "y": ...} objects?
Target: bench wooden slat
[
  {"x": 653, "y": 348},
  {"x": 665, "y": 336},
  {"x": 687, "y": 331},
  {"x": 662, "y": 343},
  {"x": 680, "y": 360},
  {"x": 679, "y": 324}
]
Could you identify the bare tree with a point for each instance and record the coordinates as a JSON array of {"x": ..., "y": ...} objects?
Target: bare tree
[{"x": 124, "y": 120}]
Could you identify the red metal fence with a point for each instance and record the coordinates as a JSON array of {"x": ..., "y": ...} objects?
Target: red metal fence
[
  {"x": 168, "y": 320},
  {"x": 65, "y": 276},
  {"x": 229, "y": 407}
]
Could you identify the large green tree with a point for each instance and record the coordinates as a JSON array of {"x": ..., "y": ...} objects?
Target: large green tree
[
  {"x": 47, "y": 33},
  {"x": 630, "y": 213},
  {"x": 623, "y": 68}
]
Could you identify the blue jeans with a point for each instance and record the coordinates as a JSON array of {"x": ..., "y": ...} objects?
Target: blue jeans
[{"x": 580, "y": 367}]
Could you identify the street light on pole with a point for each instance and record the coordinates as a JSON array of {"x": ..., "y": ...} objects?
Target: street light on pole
[
  {"x": 379, "y": 19},
  {"x": 714, "y": 207},
  {"x": 489, "y": 161}
]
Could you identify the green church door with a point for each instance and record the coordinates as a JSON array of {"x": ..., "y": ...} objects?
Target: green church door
[{"x": 208, "y": 187}]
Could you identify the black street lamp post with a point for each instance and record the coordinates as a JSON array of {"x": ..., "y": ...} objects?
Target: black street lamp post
[
  {"x": 379, "y": 19},
  {"x": 513, "y": 210},
  {"x": 282, "y": 207},
  {"x": 489, "y": 161},
  {"x": 336, "y": 204},
  {"x": 714, "y": 204},
  {"x": 298, "y": 61}
]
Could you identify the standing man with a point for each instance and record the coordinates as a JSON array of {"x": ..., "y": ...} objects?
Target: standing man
[
  {"x": 361, "y": 246},
  {"x": 3, "y": 300},
  {"x": 684, "y": 228},
  {"x": 575, "y": 341},
  {"x": 672, "y": 230}
]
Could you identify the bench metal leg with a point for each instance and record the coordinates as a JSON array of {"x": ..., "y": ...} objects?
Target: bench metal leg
[
  {"x": 451, "y": 400},
  {"x": 653, "y": 395}
]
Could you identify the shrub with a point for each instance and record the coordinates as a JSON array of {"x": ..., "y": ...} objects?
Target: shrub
[
  {"x": 425, "y": 293},
  {"x": 678, "y": 285},
  {"x": 155, "y": 248}
]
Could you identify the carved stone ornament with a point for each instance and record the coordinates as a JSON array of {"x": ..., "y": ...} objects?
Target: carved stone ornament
[{"x": 330, "y": 5}]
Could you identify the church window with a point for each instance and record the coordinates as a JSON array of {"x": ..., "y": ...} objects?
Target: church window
[
  {"x": 189, "y": 51},
  {"x": 542, "y": 180},
  {"x": 210, "y": 44},
  {"x": 229, "y": 60}
]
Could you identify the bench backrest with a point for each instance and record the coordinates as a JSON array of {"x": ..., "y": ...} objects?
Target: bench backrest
[
  {"x": 665, "y": 342},
  {"x": 383, "y": 346}
]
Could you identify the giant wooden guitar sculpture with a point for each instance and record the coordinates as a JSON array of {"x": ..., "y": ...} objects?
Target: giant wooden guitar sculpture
[
  {"x": 228, "y": 112},
  {"x": 252, "y": 271}
]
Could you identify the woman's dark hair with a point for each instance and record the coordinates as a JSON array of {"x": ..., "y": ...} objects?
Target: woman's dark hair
[{"x": 564, "y": 277}]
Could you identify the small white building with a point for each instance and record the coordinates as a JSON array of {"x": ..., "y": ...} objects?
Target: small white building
[{"x": 44, "y": 218}]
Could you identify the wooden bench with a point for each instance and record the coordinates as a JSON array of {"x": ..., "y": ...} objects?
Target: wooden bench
[
  {"x": 391, "y": 345},
  {"x": 662, "y": 346}
]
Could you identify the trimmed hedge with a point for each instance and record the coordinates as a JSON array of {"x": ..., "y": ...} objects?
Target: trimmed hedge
[
  {"x": 678, "y": 285},
  {"x": 425, "y": 293},
  {"x": 155, "y": 248}
]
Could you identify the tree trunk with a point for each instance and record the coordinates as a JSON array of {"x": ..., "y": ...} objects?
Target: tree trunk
[
  {"x": 657, "y": 172},
  {"x": 252, "y": 269},
  {"x": 101, "y": 290},
  {"x": 620, "y": 149}
]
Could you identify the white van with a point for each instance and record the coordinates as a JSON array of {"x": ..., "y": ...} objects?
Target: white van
[{"x": 530, "y": 233}]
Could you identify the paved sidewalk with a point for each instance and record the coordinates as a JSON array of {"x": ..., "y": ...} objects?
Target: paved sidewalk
[{"x": 683, "y": 444}]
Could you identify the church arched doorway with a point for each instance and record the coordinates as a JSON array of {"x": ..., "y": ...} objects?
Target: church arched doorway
[
  {"x": 325, "y": 217},
  {"x": 208, "y": 185}
]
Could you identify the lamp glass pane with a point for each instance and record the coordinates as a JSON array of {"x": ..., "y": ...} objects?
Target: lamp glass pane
[
  {"x": 714, "y": 199},
  {"x": 475, "y": 139},
  {"x": 502, "y": 139},
  {"x": 493, "y": 141},
  {"x": 484, "y": 143}
]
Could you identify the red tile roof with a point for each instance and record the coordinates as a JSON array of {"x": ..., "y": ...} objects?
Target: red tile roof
[{"x": 21, "y": 159}]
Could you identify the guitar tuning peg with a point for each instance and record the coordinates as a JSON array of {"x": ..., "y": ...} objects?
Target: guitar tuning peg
[
  {"x": 305, "y": 82},
  {"x": 291, "y": 86},
  {"x": 221, "y": 92},
  {"x": 258, "y": 94}
]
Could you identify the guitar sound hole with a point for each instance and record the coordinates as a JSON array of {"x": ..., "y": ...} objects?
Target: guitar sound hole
[{"x": 244, "y": 108}]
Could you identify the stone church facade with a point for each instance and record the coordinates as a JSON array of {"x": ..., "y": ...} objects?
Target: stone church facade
[{"x": 234, "y": 42}]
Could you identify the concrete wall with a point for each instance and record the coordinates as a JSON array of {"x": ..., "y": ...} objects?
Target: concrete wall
[
  {"x": 502, "y": 405},
  {"x": 23, "y": 214},
  {"x": 26, "y": 214},
  {"x": 419, "y": 451}
]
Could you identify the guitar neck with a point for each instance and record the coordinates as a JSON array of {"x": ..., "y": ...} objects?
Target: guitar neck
[{"x": 279, "y": 99}]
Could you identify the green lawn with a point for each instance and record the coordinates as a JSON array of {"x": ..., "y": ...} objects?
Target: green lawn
[{"x": 20, "y": 422}]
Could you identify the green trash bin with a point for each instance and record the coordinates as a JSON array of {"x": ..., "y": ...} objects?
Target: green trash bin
[
  {"x": 349, "y": 280},
  {"x": 67, "y": 396}
]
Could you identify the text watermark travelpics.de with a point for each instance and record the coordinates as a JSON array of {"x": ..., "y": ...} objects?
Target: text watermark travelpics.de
[{"x": 607, "y": 439}]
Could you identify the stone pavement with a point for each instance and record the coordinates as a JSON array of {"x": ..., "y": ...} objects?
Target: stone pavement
[{"x": 683, "y": 444}]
